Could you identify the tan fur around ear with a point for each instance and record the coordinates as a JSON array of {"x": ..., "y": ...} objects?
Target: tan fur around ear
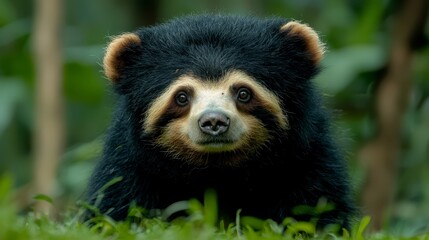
[
  {"x": 112, "y": 59},
  {"x": 314, "y": 45}
]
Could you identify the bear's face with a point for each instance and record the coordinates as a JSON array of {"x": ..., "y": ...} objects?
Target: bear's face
[
  {"x": 213, "y": 117},
  {"x": 202, "y": 117}
]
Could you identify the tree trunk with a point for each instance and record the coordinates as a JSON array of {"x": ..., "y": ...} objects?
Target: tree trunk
[
  {"x": 49, "y": 127},
  {"x": 381, "y": 154}
]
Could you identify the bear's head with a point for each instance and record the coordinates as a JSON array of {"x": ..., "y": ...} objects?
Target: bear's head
[{"x": 216, "y": 91}]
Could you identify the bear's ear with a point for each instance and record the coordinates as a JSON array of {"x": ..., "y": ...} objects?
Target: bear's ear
[
  {"x": 118, "y": 55},
  {"x": 314, "y": 47}
]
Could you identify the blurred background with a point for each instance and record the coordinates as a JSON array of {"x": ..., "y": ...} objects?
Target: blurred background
[{"x": 55, "y": 103}]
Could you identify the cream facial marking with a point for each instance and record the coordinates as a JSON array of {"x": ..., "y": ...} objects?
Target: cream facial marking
[
  {"x": 214, "y": 117},
  {"x": 208, "y": 94}
]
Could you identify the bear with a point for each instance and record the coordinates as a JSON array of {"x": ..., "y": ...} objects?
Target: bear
[{"x": 225, "y": 103}]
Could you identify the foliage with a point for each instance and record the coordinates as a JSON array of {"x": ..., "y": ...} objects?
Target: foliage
[{"x": 200, "y": 224}]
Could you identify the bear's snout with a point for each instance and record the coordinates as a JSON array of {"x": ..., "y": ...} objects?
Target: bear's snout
[{"x": 213, "y": 123}]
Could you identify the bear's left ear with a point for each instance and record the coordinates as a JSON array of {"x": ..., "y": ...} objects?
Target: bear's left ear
[
  {"x": 118, "y": 55},
  {"x": 314, "y": 47}
]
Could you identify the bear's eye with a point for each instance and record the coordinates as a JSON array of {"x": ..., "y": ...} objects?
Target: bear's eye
[
  {"x": 182, "y": 99},
  {"x": 244, "y": 95}
]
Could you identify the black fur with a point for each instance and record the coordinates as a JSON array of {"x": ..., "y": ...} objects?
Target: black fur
[{"x": 300, "y": 166}]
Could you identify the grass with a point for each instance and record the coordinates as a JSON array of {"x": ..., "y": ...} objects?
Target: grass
[{"x": 202, "y": 223}]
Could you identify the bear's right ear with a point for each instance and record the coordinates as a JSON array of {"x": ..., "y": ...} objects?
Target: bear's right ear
[
  {"x": 118, "y": 54},
  {"x": 305, "y": 34}
]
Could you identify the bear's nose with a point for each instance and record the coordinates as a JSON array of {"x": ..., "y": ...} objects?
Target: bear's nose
[{"x": 213, "y": 123}]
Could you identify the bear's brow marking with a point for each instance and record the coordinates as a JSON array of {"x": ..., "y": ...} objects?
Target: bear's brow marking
[
  {"x": 267, "y": 99},
  {"x": 314, "y": 45}
]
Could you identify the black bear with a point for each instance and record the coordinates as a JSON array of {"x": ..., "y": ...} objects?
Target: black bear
[{"x": 226, "y": 103}]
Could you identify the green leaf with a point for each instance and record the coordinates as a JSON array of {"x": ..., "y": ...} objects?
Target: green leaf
[
  {"x": 106, "y": 186},
  {"x": 111, "y": 183},
  {"x": 346, "y": 234},
  {"x": 43, "y": 197},
  {"x": 210, "y": 207},
  {"x": 363, "y": 224},
  {"x": 175, "y": 208},
  {"x": 301, "y": 227},
  {"x": 343, "y": 66},
  {"x": 5, "y": 186},
  {"x": 11, "y": 92},
  {"x": 253, "y": 222}
]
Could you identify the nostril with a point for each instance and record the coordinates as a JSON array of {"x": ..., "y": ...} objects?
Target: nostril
[
  {"x": 213, "y": 123},
  {"x": 223, "y": 123},
  {"x": 206, "y": 124}
]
